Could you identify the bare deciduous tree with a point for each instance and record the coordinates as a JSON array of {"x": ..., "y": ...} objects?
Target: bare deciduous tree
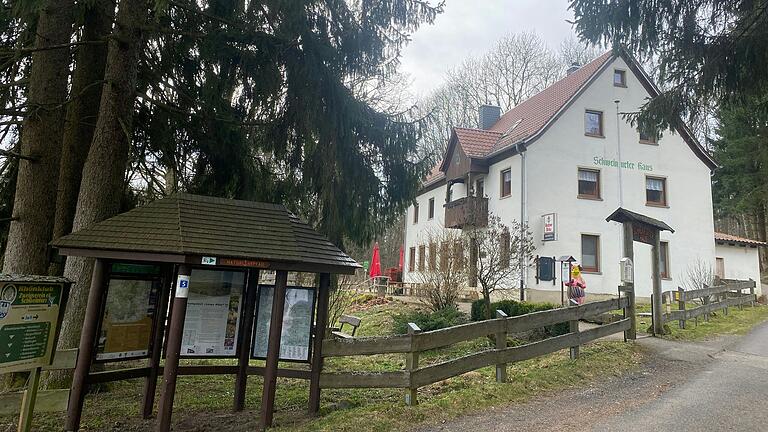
[
  {"x": 498, "y": 249},
  {"x": 445, "y": 271}
]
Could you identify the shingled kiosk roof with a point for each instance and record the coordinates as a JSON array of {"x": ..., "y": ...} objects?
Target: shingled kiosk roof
[
  {"x": 183, "y": 228},
  {"x": 624, "y": 215}
]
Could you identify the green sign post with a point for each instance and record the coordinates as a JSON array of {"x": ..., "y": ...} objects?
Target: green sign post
[{"x": 31, "y": 309}]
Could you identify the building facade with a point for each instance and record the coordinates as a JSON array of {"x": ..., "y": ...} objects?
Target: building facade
[{"x": 561, "y": 162}]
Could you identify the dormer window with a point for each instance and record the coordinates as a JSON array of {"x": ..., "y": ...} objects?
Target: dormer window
[{"x": 619, "y": 78}]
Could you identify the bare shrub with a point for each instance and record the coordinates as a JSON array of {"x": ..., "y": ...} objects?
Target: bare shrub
[{"x": 444, "y": 273}]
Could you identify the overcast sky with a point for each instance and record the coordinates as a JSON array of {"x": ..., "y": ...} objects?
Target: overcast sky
[{"x": 470, "y": 27}]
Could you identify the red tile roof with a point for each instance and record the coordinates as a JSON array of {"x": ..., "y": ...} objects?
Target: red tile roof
[
  {"x": 735, "y": 239},
  {"x": 531, "y": 115},
  {"x": 477, "y": 143}
]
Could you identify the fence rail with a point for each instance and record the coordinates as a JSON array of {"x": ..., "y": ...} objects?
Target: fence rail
[
  {"x": 727, "y": 294},
  {"x": 415, "y": 342}
]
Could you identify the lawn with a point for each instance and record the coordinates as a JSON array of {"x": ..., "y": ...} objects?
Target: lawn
[{"x": 203, "y": 403}]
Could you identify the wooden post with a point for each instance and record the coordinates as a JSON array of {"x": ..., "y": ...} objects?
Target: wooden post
[
  {"x": 681, "y": 305},
  {"x": 150, "y": 383},
  {"x": 752, "y": 293},
  {"x": 411, "y": 364},
  {"x": 629, "y": 290},
  {"x": 273, "y": 350},
  {"x": 173, "y": 348},
  {"x": 244, "y": 355},
  {"x": 88, "y": 338},
  {"x": 28, "y": 401},
  {"x": 705, "y": 300},
  {"x": 501, "y": 343},
  {"x": 658, "y": 324},
  {"x": 321, "y": 323},
  {"x": 574, "y": 328}
]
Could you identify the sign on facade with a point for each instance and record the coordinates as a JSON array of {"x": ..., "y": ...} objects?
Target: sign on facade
[
  {"x": 29, "y": 323},
  {"x": 550, "y": 227}
]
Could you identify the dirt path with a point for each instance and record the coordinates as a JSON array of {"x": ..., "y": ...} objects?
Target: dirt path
[{"x": 702, "y": 386}]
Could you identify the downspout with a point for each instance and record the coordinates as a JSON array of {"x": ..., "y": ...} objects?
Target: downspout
[{"x": 523, "y": 202}]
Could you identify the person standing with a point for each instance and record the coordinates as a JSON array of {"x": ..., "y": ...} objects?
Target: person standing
[{"x": 576, "y": 287}]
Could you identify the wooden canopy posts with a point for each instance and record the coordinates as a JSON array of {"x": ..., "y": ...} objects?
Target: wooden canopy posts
[
  {"x": 645, "y": 229},
  {"x": 154, "y": 264}
]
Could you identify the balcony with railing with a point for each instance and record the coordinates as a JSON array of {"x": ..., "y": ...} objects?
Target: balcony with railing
[{"x": 470, "y": 211}]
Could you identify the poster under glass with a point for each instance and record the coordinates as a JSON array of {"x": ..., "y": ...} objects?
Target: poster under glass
[
  {"x": 126, "y": 327},
  {"x": 212, "y": 321},
  {"x": 295, "y": 337}
]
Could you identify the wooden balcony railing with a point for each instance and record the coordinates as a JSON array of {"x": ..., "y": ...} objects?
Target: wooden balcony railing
[{"x": 467, "y": 211}]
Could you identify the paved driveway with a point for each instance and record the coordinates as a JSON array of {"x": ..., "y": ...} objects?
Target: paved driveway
[{"x": 714, "y": 386}]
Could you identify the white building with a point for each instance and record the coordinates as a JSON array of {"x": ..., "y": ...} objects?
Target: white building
[{"x": 568, "y": 152}]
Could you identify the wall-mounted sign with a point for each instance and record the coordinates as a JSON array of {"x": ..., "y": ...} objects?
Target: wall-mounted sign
[
  {"x": 29, "y": 323},
  {"x": 126, "y": 326},
  {"x": 208, "y": 260},
  {"x": 550, "y": 227},
  {"x": 639, "y": 166},
  {"x": 295, "y": 337},
  {"x": 212, "y": 321}
]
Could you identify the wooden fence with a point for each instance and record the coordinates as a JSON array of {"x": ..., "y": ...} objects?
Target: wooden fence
[
  {"x": 722, "y": 296},
  {"x": 415, "y": 342}
]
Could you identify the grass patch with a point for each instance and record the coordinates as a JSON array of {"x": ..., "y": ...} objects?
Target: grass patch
[
  {"x": 203, "y": 403},
  {"x": 737, "y": 322}
]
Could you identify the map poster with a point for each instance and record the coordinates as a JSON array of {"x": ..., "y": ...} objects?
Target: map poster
[
  {"x": 212, "y": 322},
  {"x": 29, "y": 323},
  {"x": 129, "y": 312},
  {"x": 295, "y": 337}
]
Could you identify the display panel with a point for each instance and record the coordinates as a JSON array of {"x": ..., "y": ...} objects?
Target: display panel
[
  {"x": 212, "y": 322},
  {"x": 126, "y": 326},
  {"x": 295, "y": 337}
]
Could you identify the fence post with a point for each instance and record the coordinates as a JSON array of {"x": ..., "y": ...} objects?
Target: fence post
[
  {"x": 752, "y": 293},
  {"x": 574, "y": 328},
  {"x": 705, "y": 301},
  {"x": 501, "y": 343},
  {"x": 411, "y": 364},
  {"x": 681, "y": 305}
]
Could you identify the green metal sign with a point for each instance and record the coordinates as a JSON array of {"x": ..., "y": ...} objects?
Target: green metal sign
[{"x": 29, "y": 321}]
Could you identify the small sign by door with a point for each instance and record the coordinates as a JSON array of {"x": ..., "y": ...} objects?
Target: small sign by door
[{"x": 550, "y": 227}]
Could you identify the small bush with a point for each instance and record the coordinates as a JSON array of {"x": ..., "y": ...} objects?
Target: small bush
[
  {"x": 428, "y": 321},
  {"x": 515, "y": 308}
]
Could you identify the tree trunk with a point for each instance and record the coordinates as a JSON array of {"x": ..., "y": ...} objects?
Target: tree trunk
[
  {"x": 35, "y": 200},
  {"x": 81, "y": 116},
  {"x": 102, "y": 182}
]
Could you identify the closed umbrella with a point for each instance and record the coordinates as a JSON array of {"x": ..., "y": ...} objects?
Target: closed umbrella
[{"x": 375, "y": 262}]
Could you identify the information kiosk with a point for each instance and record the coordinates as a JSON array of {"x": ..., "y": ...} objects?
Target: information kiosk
[{"x": 179, "y": 278}]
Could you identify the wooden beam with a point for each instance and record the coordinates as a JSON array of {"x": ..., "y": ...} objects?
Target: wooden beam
[
  {"x": 321, "y": 323},
  {"x": 273, "y": 350},
  {"x": 173, "y": 349},
  {"x": 658, "y": 324},
  {"x": 244, "y": 357},
  {"x": 629, "y": 289},
  {"x": 88, "y": 339},
  {"x": 158, "y": 329}
]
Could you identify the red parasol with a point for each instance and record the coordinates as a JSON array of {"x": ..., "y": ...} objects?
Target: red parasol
[
  {"x": 375, "y": 262},
  {"x": 400, "y": 263}
]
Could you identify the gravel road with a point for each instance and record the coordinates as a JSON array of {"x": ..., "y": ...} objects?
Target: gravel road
[{"x": 711, "y": 386}]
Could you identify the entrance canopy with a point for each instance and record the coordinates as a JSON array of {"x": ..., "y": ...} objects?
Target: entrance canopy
[
  {"x": 623, "y": 215},
  {"x": 195, "y": 229}
]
